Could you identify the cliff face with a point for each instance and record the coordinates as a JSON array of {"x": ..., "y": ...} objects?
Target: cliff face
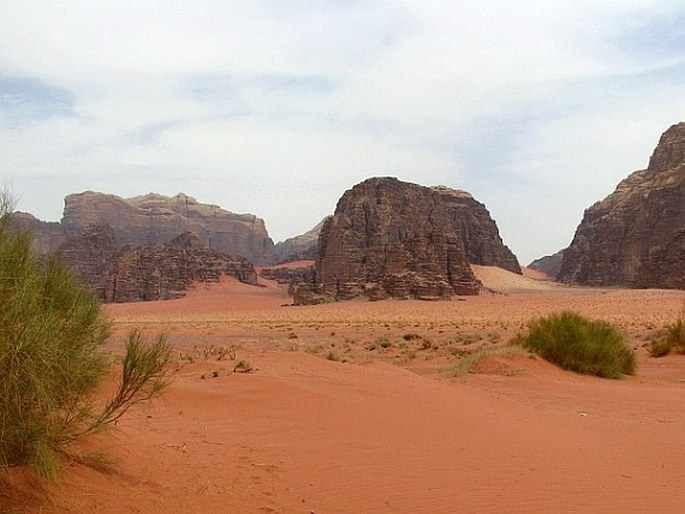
[
  {"x": 635, "y": 237},
  {"x": 46, "y": 236},
  {"x": 394, "y": 239},
  {"x": 158, "y": 219},
  {"x": 157, "y": 271},
  {"x": 302, "y": 247},
  {"x": 549, "y": 264}
]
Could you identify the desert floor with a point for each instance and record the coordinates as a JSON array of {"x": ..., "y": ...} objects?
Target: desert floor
[{"x": 379, "y": 407}]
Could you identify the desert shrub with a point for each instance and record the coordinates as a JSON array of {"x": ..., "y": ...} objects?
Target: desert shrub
[
  {"x": 578, "y": 344},
  {"x": 50, "y": 363},
  {"x": 672, "y": 338},
  {"x": 243, "y": 367},
  {"x": 468, "y": 361}
]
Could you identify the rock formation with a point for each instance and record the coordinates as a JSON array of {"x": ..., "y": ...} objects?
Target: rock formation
[
  {"x": 302, "y": 247},
  {"x": 392, "y": 239},
  {"x": 549, "y": 264},
  {"x": 289, "y": 276},
  {"x": 157, "y": 271},
  {"x": 46, "y": 236},
  {"x": 155, "y": 218},
  {"x": 635, "y": 237}
]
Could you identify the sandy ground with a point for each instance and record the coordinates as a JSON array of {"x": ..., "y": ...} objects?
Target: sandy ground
[{"x": 369, "y": 407}]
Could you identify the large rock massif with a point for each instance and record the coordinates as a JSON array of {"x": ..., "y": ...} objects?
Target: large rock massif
[
  {"x": 392, "y": 239},
  {"x": 157, "y": 271},
  {"x": 154, "y": 218},
  {"x": 635, "y": 237}
]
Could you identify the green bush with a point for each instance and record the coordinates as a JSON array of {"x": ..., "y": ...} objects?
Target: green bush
[
  {"x": 672, "y": 338},
  {"x": 579, "y": 344},
  {"x": 50, "y": 363}
]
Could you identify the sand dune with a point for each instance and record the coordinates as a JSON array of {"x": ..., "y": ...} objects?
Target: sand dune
[{"x": 330, "y": 420}]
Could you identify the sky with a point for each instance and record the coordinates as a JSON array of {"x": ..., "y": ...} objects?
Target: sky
[{"x": 276, "y": 107}]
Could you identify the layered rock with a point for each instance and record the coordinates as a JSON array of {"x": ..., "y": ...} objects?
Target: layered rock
[
  {"x": 290, "y": 276},
  {"x": 157, "y": 271},
  {"x": 635, "y": 237},
  {"x": 298, "y": 248},
  {"x": 156, "y": 218},
  {"x": 392, "y": 239}
]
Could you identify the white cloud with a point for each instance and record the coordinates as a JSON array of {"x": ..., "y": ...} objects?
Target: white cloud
[{"x": 536, "y": 107}]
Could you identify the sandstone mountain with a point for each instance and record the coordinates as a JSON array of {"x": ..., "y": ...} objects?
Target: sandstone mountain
[
  {"x": 46, "y": 236},
  {"x": 154, "y": 218},
  {"x": 549, "y": 264},
  {"x": 302, "y": 247},
  {"x": 156, "y": 271},
  {"x": 635, "y": 237},
  {"x": 392, "y": 239}
]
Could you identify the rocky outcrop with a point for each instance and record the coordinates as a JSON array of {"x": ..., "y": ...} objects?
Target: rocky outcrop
[
  {"x": 289, "y": 276},
  {"x": 156, "y": 218},
  {"x": 298, "y": 248},
  {"x": 635, "y": 237},
  {"x": 156, "y": 271},
  {"x": 477, "y": 231},
  {"x": 392, "y": 239},
  {"x": 46, "y": 236},
  {"x": 549, "y": 264}
]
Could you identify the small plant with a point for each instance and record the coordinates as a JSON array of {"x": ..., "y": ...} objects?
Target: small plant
[
  {"x": 468, "y": 362},
  {"x": 579, "y": 344},
  {"x": 143, "y": 377},
  {"x": 411, "y": 336},
  {"x": 292, "y": 335},
  {"x": 672, "y": 338},
  {"x": 243, "y": 367},
  {"x": 332, "y": 357},
  {"x": 426, "y": 344}
]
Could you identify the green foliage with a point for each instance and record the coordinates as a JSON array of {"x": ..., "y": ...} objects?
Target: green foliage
[
  {"x": 672, "y": 338},
  {"x": 143, "y": 377},
  {"x": 50, "y": 364},
  {"x": 579, "y": 344}
]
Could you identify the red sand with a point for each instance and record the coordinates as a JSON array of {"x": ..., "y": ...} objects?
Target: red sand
[{"x": 305, "y": 434}]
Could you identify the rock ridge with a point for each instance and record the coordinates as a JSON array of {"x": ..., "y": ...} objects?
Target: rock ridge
[{"x": 635, "y": 237}]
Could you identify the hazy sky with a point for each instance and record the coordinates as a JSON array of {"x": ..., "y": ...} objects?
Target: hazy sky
[{"x": 276, "y": 107}]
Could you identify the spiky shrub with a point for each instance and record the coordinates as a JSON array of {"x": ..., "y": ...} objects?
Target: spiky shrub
[
  {"x": 579, "y": 344},
  {"x": 672, "y": 338},
  {"x": 50, "y": 363}
]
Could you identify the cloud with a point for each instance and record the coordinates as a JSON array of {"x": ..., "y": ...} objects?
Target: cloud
[
  {"x": 26, "y": 99},
  {"x": 536, "y": 107}
]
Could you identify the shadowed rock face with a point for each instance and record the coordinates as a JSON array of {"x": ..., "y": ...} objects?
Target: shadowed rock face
[
  {"x": 392, "y": 239},
  {"x": 156, "y": 271},
  {"x": 46, "y": 236},
  {"x": 635, "y": 237},
  {"x": 302, "y": 247},
  {"x": 155, "y": 218},
  {"x": 549, "y": 264}
]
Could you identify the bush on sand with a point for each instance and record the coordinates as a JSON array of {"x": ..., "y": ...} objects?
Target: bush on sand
[
  {"x": 51, "y": 330},
  {"x": 579, "y": 344}
]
